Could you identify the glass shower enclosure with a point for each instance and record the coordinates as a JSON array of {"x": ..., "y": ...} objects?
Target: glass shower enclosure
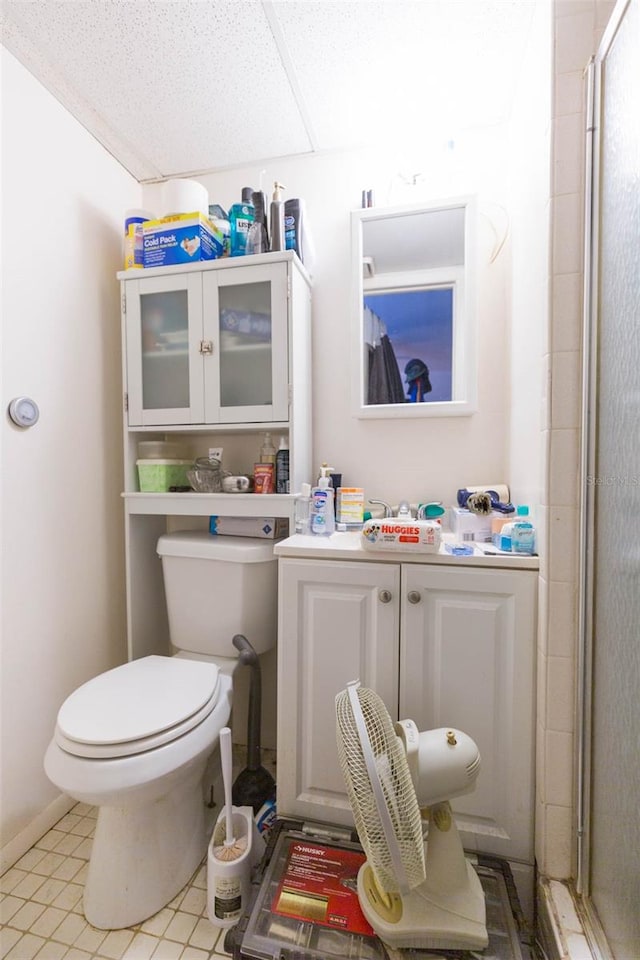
[{"x": 609, "y": 808}]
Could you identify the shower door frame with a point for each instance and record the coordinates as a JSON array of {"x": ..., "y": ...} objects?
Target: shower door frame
[{"x": 586, "y": 581}]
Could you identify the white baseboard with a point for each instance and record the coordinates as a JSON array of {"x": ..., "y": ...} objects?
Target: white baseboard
[{"x": 47, "y": 818}]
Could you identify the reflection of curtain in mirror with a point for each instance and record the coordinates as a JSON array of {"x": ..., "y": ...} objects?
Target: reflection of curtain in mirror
[{"x": 385, "y": 382}]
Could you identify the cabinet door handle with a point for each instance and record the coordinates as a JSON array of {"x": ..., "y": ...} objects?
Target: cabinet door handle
[
  {"x": 206, "y": 346},
  {"x": 385, "y": 596},
  {"x": 414, "y": 596}
]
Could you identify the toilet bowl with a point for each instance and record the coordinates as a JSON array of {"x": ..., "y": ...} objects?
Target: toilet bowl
[
  {"x": 135, "y": 741},
  {"x": 151, "y": 832}
]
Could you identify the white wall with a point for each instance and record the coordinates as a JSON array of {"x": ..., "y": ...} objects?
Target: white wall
[
  {"x": 63, "y": 617},
  {"x": 395, "y": 459},
  {"x": 529, "y": 192}
]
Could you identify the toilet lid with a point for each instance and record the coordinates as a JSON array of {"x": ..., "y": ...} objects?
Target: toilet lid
[{"x": 137, "y": 706}]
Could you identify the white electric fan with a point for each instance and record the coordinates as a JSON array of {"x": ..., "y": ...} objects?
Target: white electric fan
[{"x": 433, "y": 901}]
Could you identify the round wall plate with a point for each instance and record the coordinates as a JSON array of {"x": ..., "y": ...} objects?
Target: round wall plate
[{"x": 24, "y": 411}]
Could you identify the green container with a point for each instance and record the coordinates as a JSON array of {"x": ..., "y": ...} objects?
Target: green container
[{"x": 156, "y": 476}]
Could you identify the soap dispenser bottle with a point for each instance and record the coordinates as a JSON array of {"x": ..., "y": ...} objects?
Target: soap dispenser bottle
[
  {"x": 323, "y": 520},
  {"x": 277, "y": 218}
]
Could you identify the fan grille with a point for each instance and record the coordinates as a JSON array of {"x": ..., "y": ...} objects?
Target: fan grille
[{"x": 397, "y": 786}]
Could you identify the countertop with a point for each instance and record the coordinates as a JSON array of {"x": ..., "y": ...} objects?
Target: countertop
[{"x": 348, "y": 546}]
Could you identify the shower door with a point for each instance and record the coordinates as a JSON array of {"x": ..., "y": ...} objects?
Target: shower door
[{"x": 609, "y": 855}]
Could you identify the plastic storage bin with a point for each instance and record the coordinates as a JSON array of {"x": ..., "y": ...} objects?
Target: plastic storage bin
[{"x": 156, "y": 476}]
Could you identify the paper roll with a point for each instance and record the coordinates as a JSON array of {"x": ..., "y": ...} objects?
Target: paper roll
[
  {"x": 500, "y": 488},
  {"x": 184, "y": 196}
]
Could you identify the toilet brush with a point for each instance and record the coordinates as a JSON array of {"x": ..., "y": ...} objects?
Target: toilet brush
[
  {"x": 231, "y": 852},
  {"x": 232, "y": 847}
]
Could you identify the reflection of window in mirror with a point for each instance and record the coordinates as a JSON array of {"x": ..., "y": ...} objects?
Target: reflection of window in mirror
[
  {"x": 409, "y": 334},
  {"x": 413, "y": 278}
]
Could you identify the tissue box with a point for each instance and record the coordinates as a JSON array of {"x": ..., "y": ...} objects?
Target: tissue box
[
  {"x": 184, "y": 238},
  {"x": 471, "y": 526},
  {"x": 268, "y": 528}
]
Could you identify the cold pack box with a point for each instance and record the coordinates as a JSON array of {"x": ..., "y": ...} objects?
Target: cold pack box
[{"x": 183, "y": 238}]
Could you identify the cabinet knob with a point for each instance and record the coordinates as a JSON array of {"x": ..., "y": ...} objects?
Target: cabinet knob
[
  {"x": 206, "y": 346},
  {"x": 385, "y": 596},
  {"x": 414, "y": 596}
]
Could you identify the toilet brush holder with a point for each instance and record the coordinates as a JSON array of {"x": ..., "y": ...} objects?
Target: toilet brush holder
[{"x": 229, "y": 879}]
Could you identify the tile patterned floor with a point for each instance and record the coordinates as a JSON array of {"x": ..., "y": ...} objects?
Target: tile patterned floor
[{"x": 41, "y": 908}]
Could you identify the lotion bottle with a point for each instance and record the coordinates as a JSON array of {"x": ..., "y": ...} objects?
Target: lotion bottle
[
  {"x": 323, "y": 521},
  {"x": 523, "y": 534}
]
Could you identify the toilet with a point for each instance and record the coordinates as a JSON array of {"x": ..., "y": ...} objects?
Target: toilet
[{"x": 135, "y": 741}]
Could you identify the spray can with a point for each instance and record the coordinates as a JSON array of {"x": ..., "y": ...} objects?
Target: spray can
[
  {"x": 277, "y": 218},
  {"x": 293, "y": 226},
  {"x": 282, "y": 467}
]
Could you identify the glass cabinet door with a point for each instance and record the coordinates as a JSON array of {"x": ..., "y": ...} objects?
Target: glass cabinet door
[
  {"x": 164, "y": 324},
  {"x": 245, "y": 316}
]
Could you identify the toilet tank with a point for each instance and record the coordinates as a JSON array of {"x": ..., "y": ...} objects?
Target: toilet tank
[{"x": 216, "y": 587}]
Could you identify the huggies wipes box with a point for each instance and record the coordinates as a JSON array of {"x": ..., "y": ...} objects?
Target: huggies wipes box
[
  {"x": 415, "y": 536},
  {"x": 183, "y": 238}
]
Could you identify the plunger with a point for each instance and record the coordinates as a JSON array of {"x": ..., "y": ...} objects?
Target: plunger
[{"x": 254, "y": 785}]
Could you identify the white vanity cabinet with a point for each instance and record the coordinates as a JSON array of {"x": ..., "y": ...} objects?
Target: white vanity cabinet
[{"x": 443, "y": 644}]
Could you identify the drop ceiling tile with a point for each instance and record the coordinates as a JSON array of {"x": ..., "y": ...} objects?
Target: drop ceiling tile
[
  {"x": 373, "y": 69},
  {"x": 173, "y": 87},
  {"x": 184, "y": 86}
]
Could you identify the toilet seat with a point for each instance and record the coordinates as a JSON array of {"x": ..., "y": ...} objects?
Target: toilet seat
[{"x": 136, "y": 707}]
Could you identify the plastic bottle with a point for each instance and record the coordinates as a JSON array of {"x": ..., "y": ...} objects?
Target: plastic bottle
[
  {"x": 267, "y": 451},
  {"x": 277, "y": 218},
  {"x": 220, "y": 219},
  {"x": 293, "y": 225},
  {"x": 303, "y": 509},
  {"x": 523, "y": 534},
  {"x": 241, "y": 216},
  {"x": 258, "y": 236},
  {"x": 282, "y": 467},
  {"x": 322, "y": 515}
]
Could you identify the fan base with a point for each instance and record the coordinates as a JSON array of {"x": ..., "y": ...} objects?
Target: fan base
[{"x": 428, "y": 920}]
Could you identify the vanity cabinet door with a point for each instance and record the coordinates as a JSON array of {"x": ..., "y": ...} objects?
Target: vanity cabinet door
[
  {"x": 467, "y": 646},
  {"x": 337, "y": 622}
]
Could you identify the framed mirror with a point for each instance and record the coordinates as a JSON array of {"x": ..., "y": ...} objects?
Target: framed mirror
[{"x": 414, "y": 283}]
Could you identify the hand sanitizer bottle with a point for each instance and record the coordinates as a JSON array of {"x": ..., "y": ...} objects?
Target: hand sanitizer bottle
[{"x": 323, "y": 521}]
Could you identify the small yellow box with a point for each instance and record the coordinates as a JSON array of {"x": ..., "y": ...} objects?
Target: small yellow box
[{"x": 350, "y": 505}]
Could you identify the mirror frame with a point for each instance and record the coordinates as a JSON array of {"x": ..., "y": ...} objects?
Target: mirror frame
[{"x": 463, "y": 281}]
